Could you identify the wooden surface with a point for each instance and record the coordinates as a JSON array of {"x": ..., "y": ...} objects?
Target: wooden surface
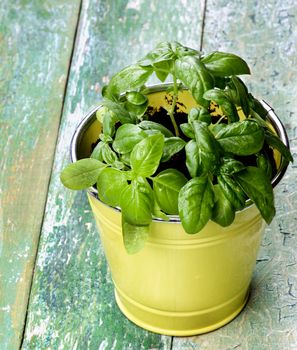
[
  {"x": 36, "y": 40},
  {"x": 71, "y": 300}
]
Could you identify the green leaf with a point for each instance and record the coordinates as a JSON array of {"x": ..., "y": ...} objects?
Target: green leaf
[
  {"x": 166, "y": 186},
  {"x": 128, "y": 79},
  {"x": 257, "y": 107},
  {"x": 264, "y": 163},
  {"x": 232, "y": 191},
  {"x": 108, "y": 155},
  {"x": 195, "y": 77},
  {"x": 110, "y": 184},
  {"x": 127, "y": 136},
  {"x": 209, "y": 148},
  {"x": 146, "y": 155},
  {"x": 223, "y": 212},
  {"x": 275, "y": 142},
  {"x": 241, "y": 138},
  {"x": 257, "y": 186},
  {"x": 120, "y": 113},
  {"x": 136, "y": 98},
  {"x": 81, "y": 174},
  {"x": 224, "y": 64},
  {"x": 182, "y": 51},
  {"x": 162, "y": 69},
  {"x": 188, "y": 130},
  {"x": 134, "y": 237},
  {"x": 223, "y": 100},
  {"x": 195, "y": 203},
  {"x": 125, "y": 158},
  {"x": 108, "y": 119},
  {"x": 158, "y": 213},
  {"x": 172, "y": 146},
  {"x": 136, "y": 110},
  {"x": 231, "y": 166},
  {"x": 239, "y": 94},
  {"x": 200, "y": 114},
  {"x": 97, "y": 151},
  {"x": 162, "y": 52},
  {"x": 149, "y": 125},
  {"x": 193, "y": 161},
  {"x": 137, "y": 202}
]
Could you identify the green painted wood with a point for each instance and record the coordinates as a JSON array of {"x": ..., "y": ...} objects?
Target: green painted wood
[
  {"x": 72, "y": 304},
  {"x": 36, "y": 39},
  {"x": 263, "y": 32}
]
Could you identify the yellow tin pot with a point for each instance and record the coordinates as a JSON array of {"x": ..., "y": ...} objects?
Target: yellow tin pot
[{"x": 179, "y": 284}]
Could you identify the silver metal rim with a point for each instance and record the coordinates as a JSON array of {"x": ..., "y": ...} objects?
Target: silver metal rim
[{"x": 91, "y": 116}]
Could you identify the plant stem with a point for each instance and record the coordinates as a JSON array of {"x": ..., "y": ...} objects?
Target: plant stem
[{"x": 171, "y": 112}]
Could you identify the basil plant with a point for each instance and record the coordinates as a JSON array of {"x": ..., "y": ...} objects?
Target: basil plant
[{"x": 203, "y": 166}]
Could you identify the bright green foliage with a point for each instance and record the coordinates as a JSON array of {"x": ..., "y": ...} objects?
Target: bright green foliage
[
  {"x": 167, "y": 185},
  {"x": 202, "y": 168},
  {"x": 195, "y": 202}
]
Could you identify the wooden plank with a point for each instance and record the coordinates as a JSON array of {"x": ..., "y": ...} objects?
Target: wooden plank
[
  {"x": 72, "y": 304},
  {"x": 265, "y": 35},
  {"x": 36, "y": 39}
]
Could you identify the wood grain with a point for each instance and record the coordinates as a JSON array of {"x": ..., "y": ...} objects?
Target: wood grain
[
  {"x": 36, "y": 39},
  {"x": 72, "y": 304},
  {"x": 264, "y": 33}
]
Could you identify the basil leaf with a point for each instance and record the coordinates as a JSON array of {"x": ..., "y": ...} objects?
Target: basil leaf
[
  {"x": 223, "y": 64},
  {"x": 199, "y": 114},
  {"x": 275, "y": 142},
  {"x": 158, "y": 213},
  {"x": 162, "y": 52},
  {"x": 108, "y": 126},
  {"x": 134, "y": 237},
  {"x": 136, "y": 202},
  {"x": 239, "y": 94},
  {"x": 97, "y": 151},
  {"x": 100, "y": 113},
  {"x": 108, "y": 155},
  {"x": 223, "y": 212},
  {"x": 232, "y": 191},
  {"x": 257, "y": 186},
  {"x": 146, "y": 155},
  {"x": 127, "y": 136},
  {"x": 166, "y": 186},
  {"x": 111, "y": 182},
  {"x": 81, "y": 174},
  {"x": 162, "y": 69},
  {"x": 136, "y": 110},
  {"x": 172, "y": 146},
  {"x": 195, "y": 202},
  {"x": 222, "y": 99},
  {"x": 263, "y": 162},
  {"x": 118, "y": 109},
  {"x": 193, "y": 161},
  {"x": 241, "y": 138},
  {"x": 209, "y": 148},
  {"x": 195, "y": 76},
  {"x": 231, "y": 166},
  {"x": 125, "y": 158},
  {"x": 187, "y": 129},
  {"x": 182, "y": 50},
  {"x": 257, "y": 107},
  {"x": 128, "y": 79},
  {"x": 136, "y": 98},
  {"x": 149, "y": 125},
  {"x": 216, "y": 128}
]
